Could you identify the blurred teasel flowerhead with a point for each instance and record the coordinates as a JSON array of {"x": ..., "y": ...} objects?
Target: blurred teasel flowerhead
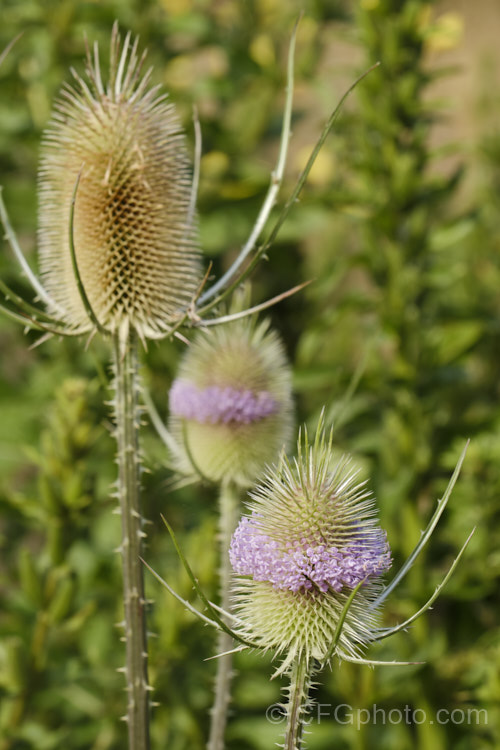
[
  {"x": 311, "y": 537},
  {"x": 134, "y": 240},
  {"x": 231, "y": 403}
]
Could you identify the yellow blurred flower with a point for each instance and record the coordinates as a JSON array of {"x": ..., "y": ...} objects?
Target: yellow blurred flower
[
  {"x": 177, "y": 7},
  {"x": 184, "y": 71},
  {"x": 262, "y": 50},
  {"x": 445, "y": 32},
  {"x": 322, "y": 169}
]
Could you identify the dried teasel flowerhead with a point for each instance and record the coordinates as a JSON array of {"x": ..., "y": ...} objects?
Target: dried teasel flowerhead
[
  {"x": 231, "y": 404},
  {"x": 311, "y": 537},
  {"x": 134, "y": 240}
]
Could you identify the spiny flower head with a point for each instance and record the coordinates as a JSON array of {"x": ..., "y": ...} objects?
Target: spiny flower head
[
  {"x": 231, "y": 402},
  {"x": 311, "y": 537},
  {"x": 133, "y": 234}
]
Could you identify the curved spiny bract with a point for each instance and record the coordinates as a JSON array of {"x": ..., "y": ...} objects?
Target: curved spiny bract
[{"x": 134, "y": 244}]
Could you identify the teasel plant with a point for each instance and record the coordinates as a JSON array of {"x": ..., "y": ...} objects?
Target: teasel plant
[
  {"x": 308, "y": 560},
  {"x": 230, "y": 413},
  {"x": 119, "y": 257}
]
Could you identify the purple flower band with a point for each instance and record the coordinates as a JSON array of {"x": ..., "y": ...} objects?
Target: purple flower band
[
  {"x": 303, "y": 565},
  {"x": 215, "y": 405}
]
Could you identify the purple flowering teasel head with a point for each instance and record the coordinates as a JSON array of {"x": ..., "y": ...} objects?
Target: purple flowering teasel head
[
  {"x": 231, "y": 404},
  {"x": 311, "y": 537}
]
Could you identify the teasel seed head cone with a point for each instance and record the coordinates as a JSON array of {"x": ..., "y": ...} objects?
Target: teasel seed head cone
[
  {"x": 231, "y": 403},
  {"x": 310, "y": 538},
  {"x": 135, "y": 245}
]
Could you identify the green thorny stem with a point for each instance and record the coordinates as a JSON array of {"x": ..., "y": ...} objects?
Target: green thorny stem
[
  {"x": 228, "y": 519},
  {"x": 298, "y": 701},
  {"x": 127, "y": 427}
]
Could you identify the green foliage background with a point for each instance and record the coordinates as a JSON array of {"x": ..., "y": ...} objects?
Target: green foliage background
[{"x": 398, "y": 336}]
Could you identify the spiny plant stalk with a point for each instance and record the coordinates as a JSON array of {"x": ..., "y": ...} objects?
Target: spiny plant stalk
[
  {"x": 127, "y": 423},
  {"x": 298, "y": 697},
  {"x": 228, "y": 519}
]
